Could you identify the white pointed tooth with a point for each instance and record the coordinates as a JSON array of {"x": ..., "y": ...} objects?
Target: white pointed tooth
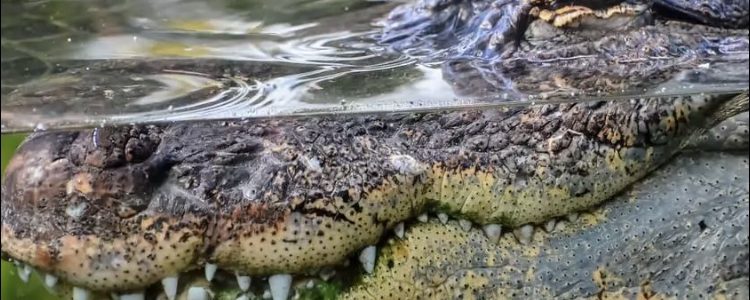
[
  {"x": 572, "y": 217},
  {"x": 280, "y": 285},
  {"x": 550, "y": 225},
  {"x": 399, "y": 230},
  {"x": 443, "y": 218},
  {"x": 243, "y": 297},
  {"x": 24, "y": 271},
  {"x": 133, "y": 296},
  {"x": 423, "y": 218},
  {"x": 50, "y": 280},
  {"x": 81, "y": 293},
  {"x": 465, "y": 224},
  {"x": 326, "y": 274},
  {"x": 243, "y": 282},
  {"x": 170, "y": 287},
  {"x": 266, "y": 294},
  {"x": 211, "y": 271},
  {"x": 310, "y": 284},
  {"x": 367, "y": 258},
  {"x": 560, "y": 225},
  {"x": 197, "y": 293},
  {"x": 524, "y": 233},
  {"x": 493, "y": 232}
]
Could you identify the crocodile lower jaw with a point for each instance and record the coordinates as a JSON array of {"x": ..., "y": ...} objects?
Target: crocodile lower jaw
[{"x": 276, "y": 286}]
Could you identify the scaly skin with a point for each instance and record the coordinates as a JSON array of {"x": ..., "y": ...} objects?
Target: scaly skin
[
  {"x": 682, "y": 233},
  {"x": 493, "y": 29},
  {"x": 118, "y": 209},
  {"x": 121, "y": 208}
]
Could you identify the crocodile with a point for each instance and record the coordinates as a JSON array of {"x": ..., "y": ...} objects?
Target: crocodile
[
  {"x": 119, "y": 209},
  {"x": 681, "y": 233}
]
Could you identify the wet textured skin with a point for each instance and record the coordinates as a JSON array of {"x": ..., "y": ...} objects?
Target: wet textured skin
[
  {"x": 490, "y": 28},
  {"x": 682, "y": 233},
  {"x": 630, "y": 51},
  {"x": 117, "y": 209},
  {"x": 121, "y": 208}
]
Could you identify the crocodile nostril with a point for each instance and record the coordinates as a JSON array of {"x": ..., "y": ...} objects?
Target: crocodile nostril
[{"x": 111, "y": 147}]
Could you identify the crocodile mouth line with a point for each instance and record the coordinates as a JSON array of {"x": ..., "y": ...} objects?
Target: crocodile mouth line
[
  {"x": 196, "y": 282},
  {"x": 97, "y": 234}
]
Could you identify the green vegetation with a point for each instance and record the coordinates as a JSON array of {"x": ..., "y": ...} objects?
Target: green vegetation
[{"x": 322, "y": 290}]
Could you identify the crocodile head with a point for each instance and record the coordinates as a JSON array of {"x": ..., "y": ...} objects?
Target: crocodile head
[{"x": 120, "y": 209}]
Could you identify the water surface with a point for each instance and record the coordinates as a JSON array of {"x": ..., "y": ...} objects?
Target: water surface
[{"x": 70, "y": 64}]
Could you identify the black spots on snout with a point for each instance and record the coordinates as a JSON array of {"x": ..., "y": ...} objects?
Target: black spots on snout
[{"x": 702, "y": 225}]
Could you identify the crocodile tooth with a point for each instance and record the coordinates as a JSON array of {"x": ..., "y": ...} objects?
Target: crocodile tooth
[
  {"x": 572, "y": 217},
  {"x": 50, "y": 280},
  {"x": 443, "y": 218},
  {"x": 310, "y": 284},
  {"x": 327, "y": 273},
  {"x": 243, "y": 297},
  {"x": 211, "y": 271},
  {"x": 170, "y": 286},
  {"x": 80, "y": 293},
  {"x": 560, "y": 226},
  {"x": 133, "y": 296},
  {"x": 423, "y": 218},
  {"x": 524, "y": 233},
  {"x": 550, "y": 225},
  {"x": 243, "y": 282},
  {"x": 399, "y": 230},
  {"x": 367, "y": 258},
  {"x": 197, "y": 293},
  {"x": 24, "y": 271},
  {"x": 266, "y": 294},
  {"x": 465, "y": 224},
  {"x": 280, "y": 285},
  {"x": 493, "y": 232}
]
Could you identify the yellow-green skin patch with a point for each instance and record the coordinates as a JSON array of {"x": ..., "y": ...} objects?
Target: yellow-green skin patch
[{"x": 681, "y": 233}]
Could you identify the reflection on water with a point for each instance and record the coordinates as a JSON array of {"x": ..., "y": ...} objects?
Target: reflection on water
[
  {"x": 92, "y": 63},
  {"x": 86, "y": 63}
]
